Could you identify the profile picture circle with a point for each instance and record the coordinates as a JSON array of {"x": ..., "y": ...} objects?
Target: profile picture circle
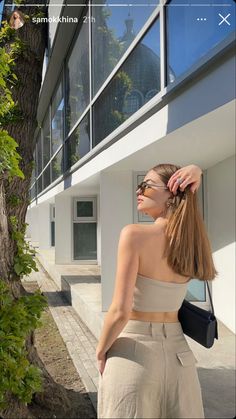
[{"x": 16, "y": 20}]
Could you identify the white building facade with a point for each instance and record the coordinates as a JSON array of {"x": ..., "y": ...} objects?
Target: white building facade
[{"x": 126, "y": 88}]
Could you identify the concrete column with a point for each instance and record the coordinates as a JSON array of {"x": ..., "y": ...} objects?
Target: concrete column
[
  {"x": 44, "y": 226},
  {"x": 221, "y": 226},
  {"x": 63, "y": 229},
  {"x": 116, "y": 211}
]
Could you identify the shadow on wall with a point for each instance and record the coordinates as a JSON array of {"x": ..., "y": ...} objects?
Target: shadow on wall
[{"x": 218, "y": 392}]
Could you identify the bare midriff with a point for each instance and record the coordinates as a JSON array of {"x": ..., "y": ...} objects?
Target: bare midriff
[{"x": 161, "y": 317}]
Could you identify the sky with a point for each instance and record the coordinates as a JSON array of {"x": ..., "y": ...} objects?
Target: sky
[{"x": 1, "y": 8}]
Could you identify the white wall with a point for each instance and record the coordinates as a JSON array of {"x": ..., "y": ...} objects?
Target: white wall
[
  {"x": 116, "y": 210},
  {"x": 98, "y": 231},
  {"x": 221, "y": 227},
  {"x": 44, "y": 226},
  {"x": 32, "y": 218},
  {"x": 28, "y": 221},
  {"x": 63, "y": 229}
]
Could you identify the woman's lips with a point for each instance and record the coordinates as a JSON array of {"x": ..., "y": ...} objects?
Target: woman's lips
[{"x": 140, "y": 200}]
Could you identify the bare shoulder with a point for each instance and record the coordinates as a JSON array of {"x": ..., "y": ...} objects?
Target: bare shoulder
[
  {"x": 142, "y": 231},
  {"x": 130, "y": 230}
]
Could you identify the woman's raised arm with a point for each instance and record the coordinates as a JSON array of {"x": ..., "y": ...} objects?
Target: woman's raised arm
[{"x": 183, "y": 177}]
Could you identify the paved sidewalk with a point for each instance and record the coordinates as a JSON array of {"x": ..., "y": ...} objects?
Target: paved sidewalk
[
  {"x": 216, "y": 367},
  {"x": 80, "y": 342}
]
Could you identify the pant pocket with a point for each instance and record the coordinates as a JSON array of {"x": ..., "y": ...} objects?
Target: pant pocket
[{"x": 186, "y": 358}]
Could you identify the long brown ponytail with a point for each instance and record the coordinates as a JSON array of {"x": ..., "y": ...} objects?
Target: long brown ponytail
[{"x": 188, "y": 249}]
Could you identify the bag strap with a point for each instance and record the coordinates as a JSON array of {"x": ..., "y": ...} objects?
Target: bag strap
[{"x": 210, "y": 297}]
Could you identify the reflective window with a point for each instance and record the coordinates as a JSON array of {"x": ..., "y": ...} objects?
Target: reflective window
[
  {"x": 34, "y": 169},
  {"x": 52, "y": 222},
  {"x": 39, "y": 154},
  {"x": 46, "y": 140},
  {"x": 84, "y": 209},
  {"x": 77, "y": 78},
  {"x": 189, "y": 38},
  {"x": 32, "y": 193},
  {"x": 46, "y": 177},
  {"x": 113, "y": 30},
  {"x": 40, "y": 184},
  {"x": 79, "y": 143},
  {"x": 85, "y": 241},
  {"x": 136, "y": 82},
  {"x": 57, "y": 165},
  {"x": 52, "y": 233},
  {"x": 57, "y": 119}
]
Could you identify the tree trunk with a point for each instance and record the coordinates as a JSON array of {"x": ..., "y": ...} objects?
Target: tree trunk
[{"x": 28, "y": 69}]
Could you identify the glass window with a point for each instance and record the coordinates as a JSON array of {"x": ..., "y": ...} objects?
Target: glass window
[
  {"x": 57, "y": 165},
  {"x": 52, "y": 222},
  {"x": 57, "y": 119},
  {"x": 84, "y": 209},
  {"x": 113, "y": 30},
  {"x": 46, "y": 140},
  {"x": 34, "y": 169},
  {"x": 33, "y": 192},
  {"x": 46, "y": 177},
  {"x": 85, "y": 241},
  {"x": 39, "y": 154},
  {"x": 52, "y": 233},
  {"x": 40, "y": 184},
  {"x": 134, "y": 84},
  {"x": 79, "y": 143},
  {"x": 188, "y": 38},
  {"x": 77, "y": 78}
]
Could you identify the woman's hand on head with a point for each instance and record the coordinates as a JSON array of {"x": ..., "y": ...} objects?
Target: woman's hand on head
[{"x": 189, "y": 175}]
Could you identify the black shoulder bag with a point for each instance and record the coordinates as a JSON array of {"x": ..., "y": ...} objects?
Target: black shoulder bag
[{"x": 199, "y": 324}]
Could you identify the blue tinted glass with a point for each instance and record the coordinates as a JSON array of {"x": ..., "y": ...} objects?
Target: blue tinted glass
[
  {"x": 194, "y": 29},
  {"x": 136, "y": 82},
  {"x": 115, "y": 25}
]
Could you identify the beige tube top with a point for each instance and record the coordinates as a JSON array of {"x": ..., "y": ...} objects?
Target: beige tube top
[{"x": 154, "y": 295}]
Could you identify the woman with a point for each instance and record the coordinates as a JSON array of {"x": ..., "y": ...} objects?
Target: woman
[
  {"x": 147, "y": 369},
  {"x": 16, "y": 20}
]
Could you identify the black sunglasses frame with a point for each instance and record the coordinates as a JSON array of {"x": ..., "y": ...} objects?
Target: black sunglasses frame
[{"x": 144, "y": 185}]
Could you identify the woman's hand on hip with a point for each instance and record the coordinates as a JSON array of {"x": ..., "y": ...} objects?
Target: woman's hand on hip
[
  {"x": 185, "y": 176},
  {"x": 101, "y": 362}
]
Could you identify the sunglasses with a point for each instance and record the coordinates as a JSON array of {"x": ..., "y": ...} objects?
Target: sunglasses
[{"x": 144, "y": 185}]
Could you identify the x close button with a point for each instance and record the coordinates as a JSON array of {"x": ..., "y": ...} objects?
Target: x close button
[{"x": 224, "y": 19}]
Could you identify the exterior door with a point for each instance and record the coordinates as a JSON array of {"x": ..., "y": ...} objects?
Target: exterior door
[{"x": 85, "y": 229}]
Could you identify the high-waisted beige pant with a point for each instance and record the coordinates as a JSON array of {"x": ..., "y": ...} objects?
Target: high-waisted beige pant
[{"x": 150, "y": 372}]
